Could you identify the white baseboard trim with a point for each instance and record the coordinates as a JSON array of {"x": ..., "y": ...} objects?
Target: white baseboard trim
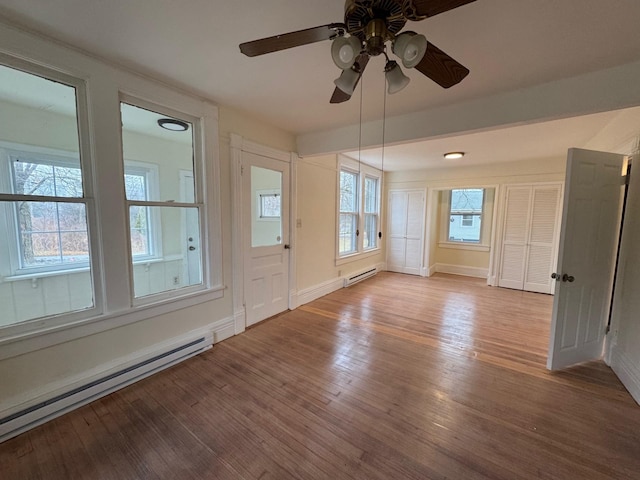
[
  {"x": 627, "y": 372},
  {"x": 29, "y": 410},
  {"x": 325, "y": 288},
  {"x": 462, "y": 270},
  {"x": 431, "y": 270}
]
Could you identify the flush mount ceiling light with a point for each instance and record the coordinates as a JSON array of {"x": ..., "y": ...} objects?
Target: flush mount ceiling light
[
  {"x": 453, "y": 155},
  {"x": 173, "y": 124}
]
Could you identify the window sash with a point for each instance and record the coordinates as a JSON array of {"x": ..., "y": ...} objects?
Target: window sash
[{"x": 467, "y": 218}]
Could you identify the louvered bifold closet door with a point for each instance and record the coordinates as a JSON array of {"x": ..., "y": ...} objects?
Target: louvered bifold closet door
[
  {"x": 542, "y": 238},
  {"x": 415, "y": 227},
  {"x": 397, "y": 238},
  {"x": 515, "y": 237}
]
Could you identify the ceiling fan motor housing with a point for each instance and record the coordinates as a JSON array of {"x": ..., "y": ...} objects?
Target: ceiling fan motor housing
[{"x": 358, "y": 14}]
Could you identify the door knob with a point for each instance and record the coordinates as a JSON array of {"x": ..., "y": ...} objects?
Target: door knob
[
  {"x": 554, "y": 275},
  {"x": 567, "y": 278},
  {"x": 287, "y": 246},
  {"x": 192, "y": 248}
]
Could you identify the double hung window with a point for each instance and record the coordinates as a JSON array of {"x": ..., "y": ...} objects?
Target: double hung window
[
  {"x": 465, "y": 215},
  {"x": 47, "y": 242},
  {"x": 359, "y": 209}
]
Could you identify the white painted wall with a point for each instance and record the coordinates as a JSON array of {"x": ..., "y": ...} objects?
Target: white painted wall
[{"x": 317, "y": 182}]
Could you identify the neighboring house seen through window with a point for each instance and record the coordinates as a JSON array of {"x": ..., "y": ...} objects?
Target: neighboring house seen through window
[{"x": 465, "y": 215}]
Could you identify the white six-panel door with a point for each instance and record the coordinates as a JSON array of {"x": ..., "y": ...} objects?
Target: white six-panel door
[{"x": 588, "y": 240}]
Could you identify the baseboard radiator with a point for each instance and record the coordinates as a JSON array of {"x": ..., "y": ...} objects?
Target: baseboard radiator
[
  {"x": 358, "y": 277},
  {"x": 28, "y": 418}
]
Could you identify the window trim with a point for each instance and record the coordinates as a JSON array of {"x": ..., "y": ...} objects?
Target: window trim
[{"x": 362, "y": 172}]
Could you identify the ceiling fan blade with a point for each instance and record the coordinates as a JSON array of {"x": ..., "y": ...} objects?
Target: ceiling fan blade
[
  {"x": 441, "y": 68},
  {"x": 292, "y": 39},
  {"x": 430, "y": 8},
  {"x": 338, "y": 95}
]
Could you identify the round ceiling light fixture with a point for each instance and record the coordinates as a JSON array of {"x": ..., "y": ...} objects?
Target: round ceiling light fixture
[
  {"x": 453, "y": 155},
  {"x": 173, "y": 124}
]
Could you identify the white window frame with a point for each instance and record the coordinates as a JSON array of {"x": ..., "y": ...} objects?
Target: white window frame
[
  {"x": 103, "y": 183},
  {"x": 86, "y": 167},
  {"x": 198, "y": 203},
  {"x": 362, "y": 171}
]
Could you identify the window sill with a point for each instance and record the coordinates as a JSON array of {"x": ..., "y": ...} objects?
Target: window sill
[
  {"x": 464, "y": 246},
  {"x": 357, "y": 256}
]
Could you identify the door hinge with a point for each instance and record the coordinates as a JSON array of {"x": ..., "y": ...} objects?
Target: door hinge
[
  {"x": 241, "y": 169},
  {"x": 625, "y": 179}
]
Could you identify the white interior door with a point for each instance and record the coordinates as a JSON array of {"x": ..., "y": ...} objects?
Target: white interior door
[
  {"x": 406, "y": 227},
  {"x": 266, "y": 225},
  {"x": 588, "y": 239}
]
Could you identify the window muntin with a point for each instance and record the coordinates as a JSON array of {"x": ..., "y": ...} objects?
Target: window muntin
[
  {"x": 165, "y": 221},
  {"x": 465, "y": 215},
  {"x": 348, "y": 223},
  {"x": 45, "y": 209}
]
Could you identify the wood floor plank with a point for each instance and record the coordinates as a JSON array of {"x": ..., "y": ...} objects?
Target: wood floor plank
[{"x": 396, "y": 377}]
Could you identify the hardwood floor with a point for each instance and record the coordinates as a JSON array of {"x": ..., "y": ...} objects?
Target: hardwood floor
[{"x": 396, "y": 377}]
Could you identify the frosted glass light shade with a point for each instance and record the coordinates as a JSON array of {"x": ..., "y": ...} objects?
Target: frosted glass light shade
[
  {"x": 410, "y": 47},
  {"x": 395, "y": 78},
  {"x": 344, "y": 51},
  {"x": 347, "y": 81}
]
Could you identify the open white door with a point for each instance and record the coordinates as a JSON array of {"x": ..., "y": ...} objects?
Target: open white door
[
  {"x": 588, "y": 239},
  {"x": 266, "y": 226}
]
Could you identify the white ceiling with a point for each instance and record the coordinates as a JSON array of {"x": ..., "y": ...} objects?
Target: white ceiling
[{"x": 508, "y": 45}]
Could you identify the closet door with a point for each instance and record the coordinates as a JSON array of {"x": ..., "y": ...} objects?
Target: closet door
[
  {"x": 543, "y": 238},
  {"x": 406, "y": 231},
  {"x": 515, "y": 235},
  {"x": 530, "y": 237}
]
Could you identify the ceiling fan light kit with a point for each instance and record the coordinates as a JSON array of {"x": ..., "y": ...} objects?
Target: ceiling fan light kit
[
  {"x": 395, "y": 78},
  {"x": 347, "y": 80},
  {"x": 370, "y": 25},
  {"x": 410, "y": 47},
  {"x": 345, "y": 50}
]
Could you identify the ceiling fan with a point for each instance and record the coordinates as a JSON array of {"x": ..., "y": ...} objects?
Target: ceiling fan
[{"x": 368, "y": 26}]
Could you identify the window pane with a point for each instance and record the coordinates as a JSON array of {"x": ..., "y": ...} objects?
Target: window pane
[
  {"x": 348, "y": 192},
  {"x": 141, "y": 239},
  {"x": 270, "y": 205},
  {"x": 37, "y": 111},
  {"x": 178, "y": 264},
  {"x": 266, "y": 188},
  {"x": 370, "y": 230},
  {"x": 170, "y": 152},
  {"x": 370, "y": 195},
  {"x": 465, "y": 222},
  {"x": 51, "y": 238},
  {"x": 465, "y": 228},
  {"x": 347, "y": 240},
  {"x": 52, "y": 234}
]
